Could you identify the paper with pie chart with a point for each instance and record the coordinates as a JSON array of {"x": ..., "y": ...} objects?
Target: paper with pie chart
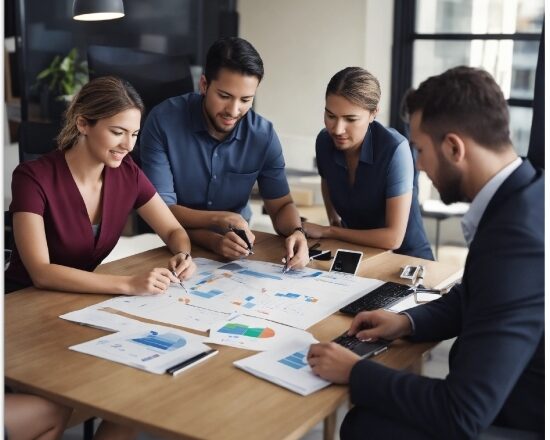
[{"x": 255, "y": 334}]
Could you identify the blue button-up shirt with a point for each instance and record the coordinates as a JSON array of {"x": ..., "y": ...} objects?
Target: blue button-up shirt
[
  {"x": 189, "y": 167},
  {"x": 385, "y": 170}
]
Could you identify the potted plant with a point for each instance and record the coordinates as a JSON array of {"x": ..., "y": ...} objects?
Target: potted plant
[{"x": 60, "y": 81}]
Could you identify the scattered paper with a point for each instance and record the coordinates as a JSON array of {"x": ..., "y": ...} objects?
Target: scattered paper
[
  {"x": 286, "y": 367},
  {"x": 100, "y": 319},
  {"x": 150, "y": 348}
]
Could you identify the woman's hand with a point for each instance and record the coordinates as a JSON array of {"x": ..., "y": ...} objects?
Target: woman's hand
[
  {"x": 154, "y": 282},
  {"x": 314, "y": 230},
  {"x": 182, "y": 265}
]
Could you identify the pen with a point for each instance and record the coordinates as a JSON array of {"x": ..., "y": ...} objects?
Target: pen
[
  {"x": 285, "y": 267},
  {"x": 244, "y": 237},
  {"x": 314, "y": 257},
  {"x": 181, "y": 282},
  {"x": 182, "y": 366}
]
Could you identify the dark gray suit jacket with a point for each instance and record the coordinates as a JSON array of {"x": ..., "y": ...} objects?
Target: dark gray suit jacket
[{"x": 497, "y": 362}]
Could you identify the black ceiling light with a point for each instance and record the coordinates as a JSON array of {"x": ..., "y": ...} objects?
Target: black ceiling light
[{"x": 95, "y": 10}]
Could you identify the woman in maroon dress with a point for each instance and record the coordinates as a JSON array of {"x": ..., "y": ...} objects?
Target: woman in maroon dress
[{"x": 69, "y": 206}]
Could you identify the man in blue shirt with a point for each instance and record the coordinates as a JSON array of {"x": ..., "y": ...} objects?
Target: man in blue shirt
[{"x": 204, "y": 152}]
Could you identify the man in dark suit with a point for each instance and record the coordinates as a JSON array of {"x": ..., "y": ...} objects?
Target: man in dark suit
[{"x": 460, "y": 127}]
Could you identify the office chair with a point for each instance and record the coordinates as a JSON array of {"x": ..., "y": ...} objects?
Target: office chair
[{"x": 35, "y": 139}]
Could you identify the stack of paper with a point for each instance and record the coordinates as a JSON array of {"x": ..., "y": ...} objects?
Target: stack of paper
[
  {"x": 151, "y": 348},
  {"x": 286, "y": 366}
]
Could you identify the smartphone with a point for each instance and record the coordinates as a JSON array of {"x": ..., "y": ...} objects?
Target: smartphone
[{"x": 346, "y": 261}]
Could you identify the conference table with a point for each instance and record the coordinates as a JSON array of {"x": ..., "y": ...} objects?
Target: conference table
[{"x": 213, "y": 400}]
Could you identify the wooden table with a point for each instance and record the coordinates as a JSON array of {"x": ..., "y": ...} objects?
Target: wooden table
[{"x": 214, "y": 400}]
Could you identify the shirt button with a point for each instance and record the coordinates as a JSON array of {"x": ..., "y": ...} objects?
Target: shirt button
[
  {"x": 214, "y": 177},
  {"x": 215, "y": 154},
  {"x": 209, "y": 202}
]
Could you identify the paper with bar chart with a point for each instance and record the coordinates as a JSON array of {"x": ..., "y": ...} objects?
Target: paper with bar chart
[
  {"x": 149, "y": 347},
  {"x": 286, "y": 366},
  {"x": 298, "y": 298},
  {"x": 255, "y": 288},
  {"x": 257, "y": 334}
]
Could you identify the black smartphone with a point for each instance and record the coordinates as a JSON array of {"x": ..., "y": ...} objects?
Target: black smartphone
[{"x": 346, "y": 261}]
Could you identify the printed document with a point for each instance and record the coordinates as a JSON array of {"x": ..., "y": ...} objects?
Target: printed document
[
  {"x": 256, "y": 334},
  {"x": 286, "y": 367},
  {"x": 150, "y": 348}
]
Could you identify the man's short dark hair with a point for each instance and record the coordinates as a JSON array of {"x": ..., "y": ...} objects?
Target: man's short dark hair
[
  {"x": 234, "y": 54},
  {"x": 463, "y": 100}
]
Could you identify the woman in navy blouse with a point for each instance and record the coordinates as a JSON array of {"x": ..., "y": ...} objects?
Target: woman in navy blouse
[
  {"x": 367, "y": 172},
  {"x": 69, "y": 206}
]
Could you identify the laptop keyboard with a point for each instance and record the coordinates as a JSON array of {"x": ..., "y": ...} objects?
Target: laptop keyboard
[{"x": 383, "y": 296}]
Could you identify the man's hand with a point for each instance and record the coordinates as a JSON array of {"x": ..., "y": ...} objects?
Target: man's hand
[
  {"x": 297, "y": 254},
  {"x": 225, "y": 221},
  {"x": 232, "y": 247},
  {"x": 331, "y": 361},
  {"x": 369, "y": 326}
]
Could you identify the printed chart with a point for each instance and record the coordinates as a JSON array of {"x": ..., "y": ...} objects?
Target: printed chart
[
  {"x": 256, "y": 334},
  {"x": 286, "y": 366},
  {"x": 298, "y": 298}
]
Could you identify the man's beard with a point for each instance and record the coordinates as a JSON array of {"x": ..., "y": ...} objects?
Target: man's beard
[{"x": 449, "y": 183}]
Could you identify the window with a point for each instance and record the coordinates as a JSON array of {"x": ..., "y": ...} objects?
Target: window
[{"x": 500, "y": 36}]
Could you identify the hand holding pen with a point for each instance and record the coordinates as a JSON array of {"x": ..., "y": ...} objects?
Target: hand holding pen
[
  {"x": 297, "y": 255},
  {"x": 182, "y": 265},
  {"x": 241, "y": 233}
]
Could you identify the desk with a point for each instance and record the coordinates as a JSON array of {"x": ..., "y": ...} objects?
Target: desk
[{"x": 214, "y": 400}]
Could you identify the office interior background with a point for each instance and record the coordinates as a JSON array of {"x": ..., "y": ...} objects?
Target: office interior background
[{"x": 302, "y": 43}]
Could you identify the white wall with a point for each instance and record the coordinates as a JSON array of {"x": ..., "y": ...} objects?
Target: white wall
[{"x": 303, "y": 43}]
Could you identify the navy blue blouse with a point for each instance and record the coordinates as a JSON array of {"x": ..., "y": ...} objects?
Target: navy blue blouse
[{"x": 385, "y": 170}]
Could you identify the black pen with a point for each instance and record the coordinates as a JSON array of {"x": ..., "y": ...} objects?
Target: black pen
[
  {"x": 182, "y": 366},
  {"x": 244, "y": 237}
]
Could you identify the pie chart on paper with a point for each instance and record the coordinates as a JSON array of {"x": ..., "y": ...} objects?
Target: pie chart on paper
[{"x": 245, "y": 330}]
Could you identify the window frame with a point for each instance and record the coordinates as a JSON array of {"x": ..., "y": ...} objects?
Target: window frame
[{"x": 404, "y": 36}]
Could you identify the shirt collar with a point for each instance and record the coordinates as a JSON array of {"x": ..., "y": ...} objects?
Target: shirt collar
[
  {"x": 471, "y": 219},
  {"x": 366, "y": 154},
  {"x": 198, "y": 122}
]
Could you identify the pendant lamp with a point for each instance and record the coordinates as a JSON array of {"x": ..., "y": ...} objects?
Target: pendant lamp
[{"x": 95, "y": 10}]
